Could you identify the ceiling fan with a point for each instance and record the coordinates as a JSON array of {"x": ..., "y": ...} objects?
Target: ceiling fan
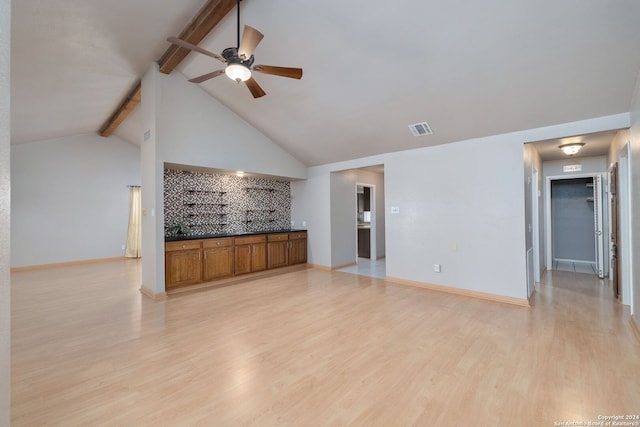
[{"x": 240, "y": 60}]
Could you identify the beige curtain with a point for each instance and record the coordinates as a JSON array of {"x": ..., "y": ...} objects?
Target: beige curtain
[{"x": 134, "y": 235}]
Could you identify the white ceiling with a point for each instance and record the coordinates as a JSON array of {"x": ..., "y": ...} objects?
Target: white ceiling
[{"x": 371, "y": 68}]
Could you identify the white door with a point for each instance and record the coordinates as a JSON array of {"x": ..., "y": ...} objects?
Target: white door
[{"x": 598, "y": 224}]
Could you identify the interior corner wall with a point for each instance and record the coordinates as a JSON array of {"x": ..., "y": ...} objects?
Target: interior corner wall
[
  {"x": 69, "y": 199},
  {"x": 343, "y": 218},
  {"x": 619, "y": 141},
  {"x": 310, "y": 210},
  {"x": 635, "y": 199},
  {"x": 5, "y": 212}
]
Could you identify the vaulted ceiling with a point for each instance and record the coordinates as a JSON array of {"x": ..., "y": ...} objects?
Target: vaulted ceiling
[{"x": 470, "y": 69}]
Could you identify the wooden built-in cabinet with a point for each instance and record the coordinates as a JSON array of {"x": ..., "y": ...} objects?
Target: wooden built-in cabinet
[
  {"x": 251, "y": 254},
  {"x": 278, "y": 250},
  {"x": 287, "y": 249},
  {"x": 183, "y": 263},
  {"x": 190, "y": 262},
  {"x": 298, "y": 247},
  {"x": 218, "y": 258}
]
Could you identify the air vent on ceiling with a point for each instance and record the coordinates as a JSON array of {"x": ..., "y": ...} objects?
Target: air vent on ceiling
[{"x": 420, "y": 129}]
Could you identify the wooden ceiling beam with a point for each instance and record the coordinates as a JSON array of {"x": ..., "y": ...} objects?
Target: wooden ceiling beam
[
  {"x": 131, "y": 100},
  {"x": 206, "y": 19}
]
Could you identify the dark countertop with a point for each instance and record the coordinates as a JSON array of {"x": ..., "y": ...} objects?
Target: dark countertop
[{"x": 213, "y": 236}]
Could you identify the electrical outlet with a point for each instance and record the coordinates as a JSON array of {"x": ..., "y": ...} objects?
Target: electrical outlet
[
  {"x": 437, "y": 268},
  {"x": 123, "y": 247},
  {"x": 304, "y": 223}
]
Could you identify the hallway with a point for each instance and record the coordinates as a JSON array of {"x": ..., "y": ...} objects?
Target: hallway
[{"x": 314, "y": 347}]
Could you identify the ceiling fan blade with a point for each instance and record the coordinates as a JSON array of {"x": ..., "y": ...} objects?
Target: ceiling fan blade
[
  {"x": 206, "y": 77},
  {"x": 293, "y": 73},
  {"x": 250, "y": 40},
  {"x": 195, "y": 48},
  {"x": 254, "y": 88}
]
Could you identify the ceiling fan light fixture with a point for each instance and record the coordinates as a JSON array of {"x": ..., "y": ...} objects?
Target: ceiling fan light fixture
[
  {"x": 238, "y": 72},
  {"x": 571, "y": 149}
]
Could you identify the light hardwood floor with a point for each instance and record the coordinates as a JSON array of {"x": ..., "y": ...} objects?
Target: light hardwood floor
[{"x": 313, "y": 348}]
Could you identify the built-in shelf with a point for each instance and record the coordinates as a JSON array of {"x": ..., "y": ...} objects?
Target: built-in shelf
[
  {"x": 270, "y": 190},
  {"x": 211, "y": 203}
]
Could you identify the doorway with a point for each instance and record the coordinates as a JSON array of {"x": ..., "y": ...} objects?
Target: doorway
[
  {"x": 575, "y": 237},
  {"x": 365, "y": 221}
]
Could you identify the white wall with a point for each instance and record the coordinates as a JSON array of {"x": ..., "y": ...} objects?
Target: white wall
[
  {"x": 618, "y": 143},
  {"x": 5, "y": 202},
  {"x": 635, "y": 199},
  {"x": 70, "y": 199},
  {"x": 461, "y": 206},
  {"x": 311, "y": 209},
  {"x": 189, "y": 127},
  {"x": 343, "y": 218},
  {"x": 590, "y": 165},
  {"x": 469, "y": 193},
  {"x": 195, "y": 129}
]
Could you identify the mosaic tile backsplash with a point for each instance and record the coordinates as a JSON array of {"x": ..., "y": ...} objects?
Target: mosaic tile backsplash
[{"x": 225, "y": 204}]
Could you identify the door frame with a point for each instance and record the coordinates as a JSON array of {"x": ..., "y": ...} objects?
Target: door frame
[
  {"x": 535, "y": 220},
  {"x": 624, "y": 217},
  {"x": 547, "y": 211}
]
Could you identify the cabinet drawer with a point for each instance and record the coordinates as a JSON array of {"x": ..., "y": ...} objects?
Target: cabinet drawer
[
  {"x": 299, "y": 235},
  {"x": 248, "y": 240},
  {"x": 182, "y": 245},
  {"x": 217, "y": 243},
  {"x": 278, "y": 237}
]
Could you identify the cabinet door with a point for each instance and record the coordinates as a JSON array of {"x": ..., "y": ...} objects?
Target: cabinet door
[
  {"x": 366, "y": 199},
  {"x": 258, "y": 256},
  {"x": 298, "y": 251},
  {"x": 364, "y": 242},
  {"x": 243, "y": 259},
  {"x": 183, "y": 268},
  {"x": 218, "y": 263},
  {"x": 278, "y": 254}
]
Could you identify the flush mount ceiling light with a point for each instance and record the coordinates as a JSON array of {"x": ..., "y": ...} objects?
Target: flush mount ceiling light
[{"x": 571, "y": 149}]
